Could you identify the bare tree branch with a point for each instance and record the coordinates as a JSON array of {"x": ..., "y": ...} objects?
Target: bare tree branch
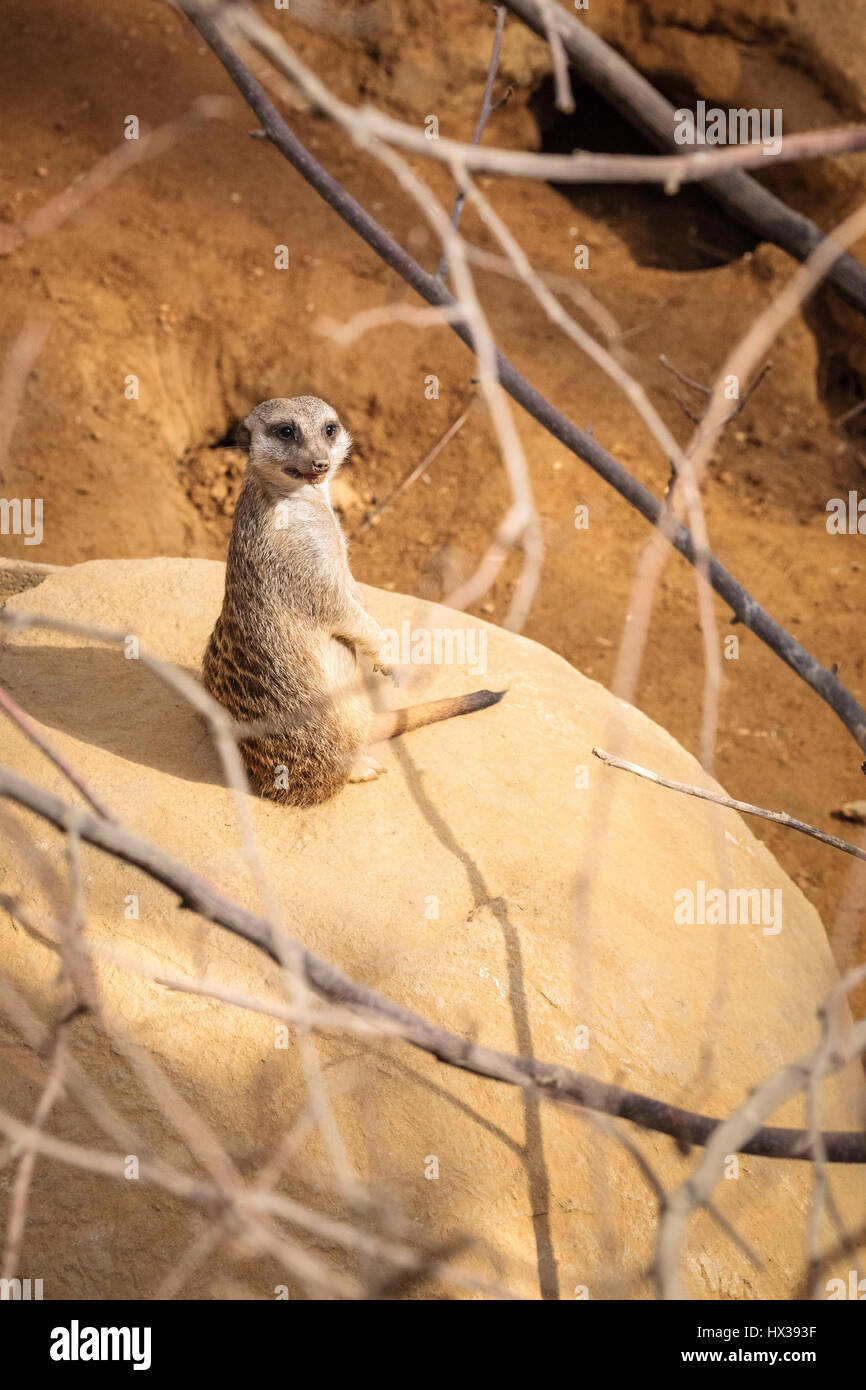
[
  {"x": 671, "y": 170},
  {"x": 554, "y": 1082}
]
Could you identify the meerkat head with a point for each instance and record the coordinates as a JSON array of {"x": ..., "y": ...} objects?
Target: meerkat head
[{"x": 294, "y": 443}]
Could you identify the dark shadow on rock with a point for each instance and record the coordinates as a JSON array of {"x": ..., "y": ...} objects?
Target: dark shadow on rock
[
  {"x": 535, "y": 1164},
  {"x": 98, "y": 696}
]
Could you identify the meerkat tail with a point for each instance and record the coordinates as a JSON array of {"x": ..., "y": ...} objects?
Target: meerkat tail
[{"x": 402, "y": 721}]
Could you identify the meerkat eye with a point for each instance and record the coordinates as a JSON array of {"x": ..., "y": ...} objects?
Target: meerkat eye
[
  {"x": 331, "y": 429},
  {"x": 285, "y": 431}
]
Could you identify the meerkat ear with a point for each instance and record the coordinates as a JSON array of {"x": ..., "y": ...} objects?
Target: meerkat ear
[{"x": 243, "y": 436}]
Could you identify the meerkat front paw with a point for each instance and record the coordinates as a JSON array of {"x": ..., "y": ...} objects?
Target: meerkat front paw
[
  {"x": 365, "y": 769},
  {"x": 380, "y": 657}
]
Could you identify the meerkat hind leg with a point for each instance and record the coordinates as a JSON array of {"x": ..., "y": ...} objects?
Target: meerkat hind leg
[{"x": 365, "y": 768}]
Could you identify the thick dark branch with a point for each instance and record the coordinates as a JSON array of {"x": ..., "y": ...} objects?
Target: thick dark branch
[
  {"x": 747, "y": 610},
  {"x": 609, "y": 74},
  {"x": 556, "y": 1082}
]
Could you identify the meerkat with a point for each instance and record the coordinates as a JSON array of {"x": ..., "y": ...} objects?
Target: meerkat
[{"x": 284, "y": 652}]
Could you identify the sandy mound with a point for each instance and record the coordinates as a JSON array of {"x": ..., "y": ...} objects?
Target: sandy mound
[{"x": 449, "y": 884}]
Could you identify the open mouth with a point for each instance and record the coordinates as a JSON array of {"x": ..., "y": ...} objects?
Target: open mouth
[{"x": 306, "y": 477}]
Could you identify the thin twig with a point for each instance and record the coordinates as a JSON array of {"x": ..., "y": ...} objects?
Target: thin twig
[
  {"x": 693, "y": 419},
  {"x": 383, "y": 315},
  {"x": 31, "y": 731},
  {"x": 681, "y": 376},
  {"x": 850, "y": 414},
  {"x": 822, "y": 1193},
  {"x": 417, "y": 472},
  {"x": 708, "y": 391},
  {"x": 483, "y": 116},
  {"x": 778, "y": 817},
  {"x": 561, "y": 77},
  {"x": 577, "y": 293},
  {"x": 24, "y": 1177},
  {"x": 747, "y": 394}
]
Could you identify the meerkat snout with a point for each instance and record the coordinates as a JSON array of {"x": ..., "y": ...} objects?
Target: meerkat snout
[{"x": 294, "y": 443}]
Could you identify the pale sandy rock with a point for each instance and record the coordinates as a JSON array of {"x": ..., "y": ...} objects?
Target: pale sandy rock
[{"x": 482, "y": 821}]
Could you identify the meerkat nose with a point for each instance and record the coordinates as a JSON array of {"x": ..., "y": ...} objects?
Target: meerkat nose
[{"x": 320, "y": 464}]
